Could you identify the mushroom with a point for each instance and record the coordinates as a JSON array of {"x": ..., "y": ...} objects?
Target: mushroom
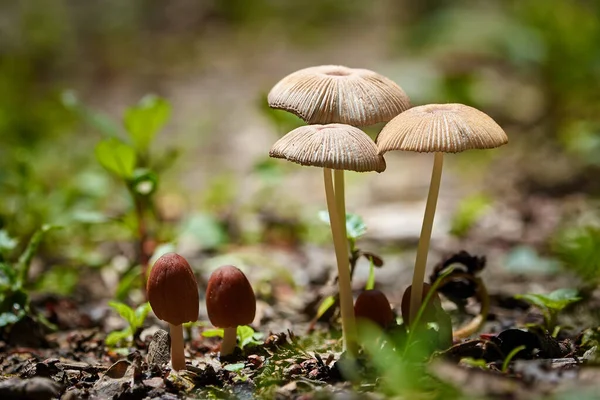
[
  {"x": 173, "y": 295},
  {"x": 337, "y": 147},
  {"x": 437, "y": 128},
  {"x": 372, "y": 305},
  {"x": 230, "y": 302},
  {"x": 336, "y": 94}
]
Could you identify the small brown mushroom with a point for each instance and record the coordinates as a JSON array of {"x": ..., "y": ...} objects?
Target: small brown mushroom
[
  {"x": 372, "y": 305},
  {"x": 173, "y": 294},
  {"x": 230, "y": 302}
]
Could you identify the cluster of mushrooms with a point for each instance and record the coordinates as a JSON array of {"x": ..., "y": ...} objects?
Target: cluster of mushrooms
[
  {"x": 334, "y": 101},
  {"x": 172, "y": 291}
]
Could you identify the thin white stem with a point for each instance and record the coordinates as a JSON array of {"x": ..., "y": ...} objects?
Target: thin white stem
[
  {"x": 343, "y": 264},
  {"x": 423, "y": 248},
  {"x": 177, "y": 356},
  {"x": 340, "y": 201},
  {"x": 229, "y": 340}
]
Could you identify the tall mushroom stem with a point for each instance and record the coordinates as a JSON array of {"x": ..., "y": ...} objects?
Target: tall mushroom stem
[
  {"x": 177, "y": 356},
  {"x": 425, "y": 238},
  {"x": 343, "y": 264},
  {"x": 340, "y": 201},
  {"x": 229, "y": 340}
]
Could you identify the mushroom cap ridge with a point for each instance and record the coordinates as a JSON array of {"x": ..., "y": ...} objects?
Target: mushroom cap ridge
[
  {"x": 336, "y": 146},
  {"x": 172, "y": 290},
  {"x": 230, "y": 300},
  {"x": 337, "y": 94},
  {"x": 448, "y": 128}
]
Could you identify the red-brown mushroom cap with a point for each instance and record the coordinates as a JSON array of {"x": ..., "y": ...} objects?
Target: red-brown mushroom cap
[
  {"x": 429, "y": 314},
  {"x": 374, "y": 306},
  {"x": 230, "y": 299},
  {"x": 172, "y": 290}
]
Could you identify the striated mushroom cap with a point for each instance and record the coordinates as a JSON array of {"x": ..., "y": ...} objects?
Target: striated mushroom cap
[
  {"x": 448, "y": 128},
  {"x": 230, "y": 299},
  {"x": 335, "y": 146},
  {"x": 374, "y": 306},
  {"x": 172, "y": 290},
  {"x": 337, "y": 94}
]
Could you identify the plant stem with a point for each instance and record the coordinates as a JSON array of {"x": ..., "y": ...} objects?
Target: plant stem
[
  {"x": 340, "y": 201},
  {"x": 425, "y": 238},
  {"x": 177, "y": 356},
  {"x": 341, "y": 254},
  {"x": 229, "y": 341}
]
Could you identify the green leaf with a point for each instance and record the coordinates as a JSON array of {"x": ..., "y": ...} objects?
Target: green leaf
[
  {"x": 213, "y": 333},
  {"x": 117, "y": 157},
  {"x": 9, "y": 318},
  {"x": 355, "y": 226},
  {"x": 144, "y": 120},
  {"x": 234, "y": 367},
  {"x": 30, "y": 251},
  {"x": 555, "y": 301},
  {"x": 325, "y": 305},
  {"x": 247, "y": 336},
  {"x": 126, "y": 312},
  {"x": 8, "y": 277},
  {"x": 140, "y": 315},
  {"x": 116, "y": 338},
  {"x": 129, "y": 281}
]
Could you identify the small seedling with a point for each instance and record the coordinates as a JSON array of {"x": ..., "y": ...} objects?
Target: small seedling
[
  {"x": 135, "y": 320},
  {"x": 551, "y": 305},
  {"x": 14, "y": 295},
  {"x": 246, "y": 336}
]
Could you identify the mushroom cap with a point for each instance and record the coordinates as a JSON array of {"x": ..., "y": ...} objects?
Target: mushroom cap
[
  {"x": 230, "y": 299},
  {"x": 448, "y": 128},
  {"x": 335, "y": 146},
  {"x": 430, "y": 312},
  {"x": 172, "y": 290},
  {"x": 337, "y": 94},
  {"x": 374, "y": 306}
]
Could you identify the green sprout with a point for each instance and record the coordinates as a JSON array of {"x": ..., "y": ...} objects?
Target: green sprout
[
  {"x": 246, "y": 336},
  {"x": 14, "y": 282},
  {"x": 551, "y": 305},
  {"x": 135, "y": 320}
]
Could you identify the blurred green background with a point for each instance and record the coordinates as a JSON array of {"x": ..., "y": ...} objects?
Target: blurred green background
[{"x": 70, "y": 69}]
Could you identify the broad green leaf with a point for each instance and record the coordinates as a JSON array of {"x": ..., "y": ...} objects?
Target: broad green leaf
[
  {"x": 246, "y": 336},
  {"x": 355, "y": 226},
  {"x": 145, "y": 119},
  {"x": 126, "y": 312},
  {"x": 140, "y": 315},
  {"x": 554, "y": 301},
  {"x": 234, "y": 367},
  {"x": 116, "y": 338},
  {"x": 213, "y": 333},
  {"x": 117, "y": 157}
]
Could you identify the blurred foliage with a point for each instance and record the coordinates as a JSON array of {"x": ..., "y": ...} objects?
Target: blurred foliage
[
  {"x": 578, "y": 248},
  {"x": 551, "y": 305},
  {"x": 469, "y": 210}
]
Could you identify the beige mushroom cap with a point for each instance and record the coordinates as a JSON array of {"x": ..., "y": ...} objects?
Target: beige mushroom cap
[
  {"x": 335, "y": 146},
  {"x": 336, "y": 94},
  {"x": 448, "y": 128}
]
